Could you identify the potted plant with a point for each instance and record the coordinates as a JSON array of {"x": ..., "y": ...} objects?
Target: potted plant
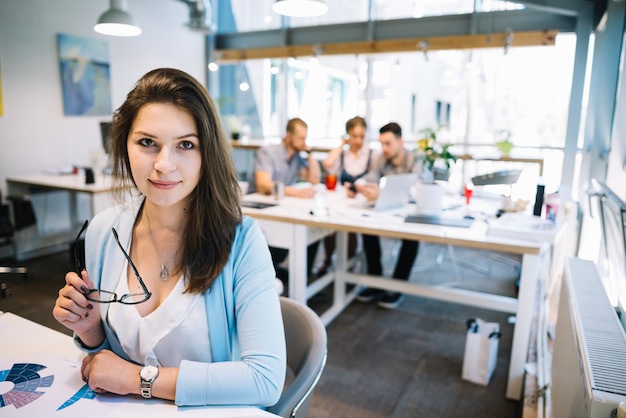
[
  {"x": 233, "y": 124},
  {"x": 428, "y": 193},
  {"x": 504, "y": 144},
  {"x": 434, "y": 155}
]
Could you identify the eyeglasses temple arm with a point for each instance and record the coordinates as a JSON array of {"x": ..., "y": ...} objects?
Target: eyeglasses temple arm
[
  {"x": 77, "y": 260},
  {"x": 130, "y": 262}
]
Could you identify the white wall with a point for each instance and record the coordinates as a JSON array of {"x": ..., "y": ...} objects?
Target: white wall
[{"x": 34, "y": 133}]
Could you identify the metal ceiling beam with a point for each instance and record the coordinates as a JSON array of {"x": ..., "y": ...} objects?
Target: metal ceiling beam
[
  {"x": 425, "y": 44},
  {"x": 387, "y": 30},
  {"x": 569, "y": 7}
]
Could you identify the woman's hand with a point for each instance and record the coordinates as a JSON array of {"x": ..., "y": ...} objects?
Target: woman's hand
[
  {"x": 350, "y": 189},
  {"x": 104, "y": 371},
  {"x": 73, "y": 310}
]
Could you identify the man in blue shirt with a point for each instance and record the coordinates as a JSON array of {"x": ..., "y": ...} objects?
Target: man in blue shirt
[{"x": 287, "y": 163}]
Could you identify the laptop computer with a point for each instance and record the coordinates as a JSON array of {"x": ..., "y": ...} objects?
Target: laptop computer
[{"x": 394, "y": 192}]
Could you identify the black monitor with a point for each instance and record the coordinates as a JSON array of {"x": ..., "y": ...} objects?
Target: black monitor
[{"x": 105, "y": 128}]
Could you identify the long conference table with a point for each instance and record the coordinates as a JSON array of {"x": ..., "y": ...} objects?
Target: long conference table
[
  {"x": 293, "y": 223},
  {"x": 40, "y": 377}
]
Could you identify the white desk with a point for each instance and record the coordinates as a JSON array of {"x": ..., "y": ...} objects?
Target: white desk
[
  {"x": 28, "y": 242},
  {"x": 27, "y": 342},
  {"x": 291, "y": 225}
]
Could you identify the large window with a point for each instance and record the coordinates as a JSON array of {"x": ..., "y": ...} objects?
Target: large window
[
  {"x": 475, "y": 97},
  {"x": 253, "y": 15}
]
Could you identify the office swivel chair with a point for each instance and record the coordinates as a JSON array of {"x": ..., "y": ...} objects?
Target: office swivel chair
[
  {"x": 6, "y": 241},
  {"x": 502, "y": 177},
  {"x": 305, "y": 337}
]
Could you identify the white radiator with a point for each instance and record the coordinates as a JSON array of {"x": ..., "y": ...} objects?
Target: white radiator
[{"x": 589, "y": 357}]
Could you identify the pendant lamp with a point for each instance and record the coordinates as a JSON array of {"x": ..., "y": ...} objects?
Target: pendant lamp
[
  {"x": 300, "y": 8},
  {"x": 116, "y": 21}
]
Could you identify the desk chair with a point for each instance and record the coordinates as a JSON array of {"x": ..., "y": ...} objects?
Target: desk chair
[
  {"x": 305, "y": 336},
  {"x": 6, "y": 241}
]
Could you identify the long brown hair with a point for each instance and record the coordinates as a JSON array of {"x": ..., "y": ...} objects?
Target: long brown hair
[{"x": 214, "y": 210}]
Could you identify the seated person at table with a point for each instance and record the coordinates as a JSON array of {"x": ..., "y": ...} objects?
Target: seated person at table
[
  {"x": 177, "y": 300},
  {"x": 351, "y": 164},
  {"x": 284, "y": 163},
  {"x": 395, "y": 159}
]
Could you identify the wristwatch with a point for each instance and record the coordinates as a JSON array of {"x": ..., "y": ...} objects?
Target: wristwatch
[{"x": 148, "y": 375}]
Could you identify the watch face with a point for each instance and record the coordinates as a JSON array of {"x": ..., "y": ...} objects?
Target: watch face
[{"x": 149, "y": 372}]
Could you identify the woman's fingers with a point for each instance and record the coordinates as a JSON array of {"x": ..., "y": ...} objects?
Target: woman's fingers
[
  {"x": 67, "y": 307},
  {"x": 71, "y": 305},
  {"x": 74, "y": 280},
  {"x": 86, "y": 279}
]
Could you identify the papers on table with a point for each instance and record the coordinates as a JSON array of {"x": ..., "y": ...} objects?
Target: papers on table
[{"x": 523, "y": 226}]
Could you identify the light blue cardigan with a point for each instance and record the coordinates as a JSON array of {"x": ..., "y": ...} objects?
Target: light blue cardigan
[{"x": 243, "y": 313}]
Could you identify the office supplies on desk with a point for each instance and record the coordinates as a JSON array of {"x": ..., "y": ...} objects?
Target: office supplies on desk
[
  {"x": 539, "y": 200},
  {"x": 439, "y": 220},
  {"x": 90, "y": 177},
  {"x": 523, "y": 226}
]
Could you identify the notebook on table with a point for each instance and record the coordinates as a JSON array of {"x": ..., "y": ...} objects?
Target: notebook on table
[
  {"x": 394, "y": 192},
  {"x": 256, "y": 205},
  {"x": 439, "y": 220}
]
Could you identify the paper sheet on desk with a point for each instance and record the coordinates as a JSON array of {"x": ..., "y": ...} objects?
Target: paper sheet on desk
[
  {"x": 46, "y": 386},
  {"x": 523, "y": 226}
]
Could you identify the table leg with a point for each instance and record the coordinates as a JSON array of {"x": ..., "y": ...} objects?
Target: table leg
[
  {"x": 341, "y": 265},
  {"x": 529, "y": 278},
  {"x": 298, "y": 279}
]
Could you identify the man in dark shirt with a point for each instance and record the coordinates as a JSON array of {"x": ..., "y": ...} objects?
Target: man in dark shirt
[{"x": 395, "y": 159}]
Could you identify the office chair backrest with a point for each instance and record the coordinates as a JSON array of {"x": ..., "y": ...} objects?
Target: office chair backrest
[
  {"x": 6, "y": 225},
  {"x": 508, "y": 177},
  {"x": 305, "y": 337}
]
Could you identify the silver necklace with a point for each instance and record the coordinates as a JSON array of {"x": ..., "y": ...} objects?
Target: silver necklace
[{"x": 165, "y": 273}]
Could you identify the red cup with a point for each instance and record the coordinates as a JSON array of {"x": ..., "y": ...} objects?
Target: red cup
[
  {"x": 331, "y": 181},
  {"x": 468, "y": 193}
]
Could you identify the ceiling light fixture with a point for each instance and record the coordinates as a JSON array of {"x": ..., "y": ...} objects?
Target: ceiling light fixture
[
  {"x": 116, "y": 21},
  {"x": 300, "y": 8}
]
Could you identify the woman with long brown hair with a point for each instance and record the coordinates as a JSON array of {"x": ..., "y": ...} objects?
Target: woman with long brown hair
[{"x": 177, "y": 297}]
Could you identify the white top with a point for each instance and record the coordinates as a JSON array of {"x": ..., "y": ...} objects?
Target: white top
[
  {"x": 356, "y": 164},
  {"x": 156, "y": 338}
]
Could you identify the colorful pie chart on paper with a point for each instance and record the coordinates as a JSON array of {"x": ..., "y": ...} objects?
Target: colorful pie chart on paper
[{"x": 22, "y": 380}]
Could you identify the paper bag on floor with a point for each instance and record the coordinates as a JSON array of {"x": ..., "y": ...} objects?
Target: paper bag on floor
[{"x": 481, "y": 351}]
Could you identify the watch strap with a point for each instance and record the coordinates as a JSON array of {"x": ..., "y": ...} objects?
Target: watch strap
[
  {"x": 146, "y": 389},
  {"x": 146, "y": 385}
]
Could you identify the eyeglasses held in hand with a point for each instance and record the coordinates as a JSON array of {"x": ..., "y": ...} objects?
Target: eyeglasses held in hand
[{"x": 104, "y": 296}]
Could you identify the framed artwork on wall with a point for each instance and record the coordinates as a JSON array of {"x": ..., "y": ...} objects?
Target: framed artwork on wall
[{"x": 85, "y": 76}]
